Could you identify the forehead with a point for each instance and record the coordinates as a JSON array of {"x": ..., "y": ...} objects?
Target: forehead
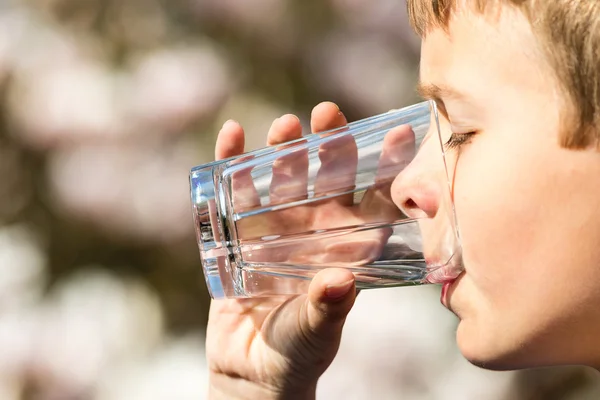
[{"x": 476, "y": 49}]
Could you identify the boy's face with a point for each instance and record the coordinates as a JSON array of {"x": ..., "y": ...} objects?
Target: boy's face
[{"x": 528, "y": 210}]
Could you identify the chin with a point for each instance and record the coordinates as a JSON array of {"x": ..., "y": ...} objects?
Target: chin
[{"x": 484, "y": 350}]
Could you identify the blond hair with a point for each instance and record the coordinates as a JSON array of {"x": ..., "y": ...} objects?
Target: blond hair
[{"x": 568, "y": 30}]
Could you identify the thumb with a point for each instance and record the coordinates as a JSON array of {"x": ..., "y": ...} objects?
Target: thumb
[
  {"x": 331, "y": 296},
  {"x": 307, "y": 330}
]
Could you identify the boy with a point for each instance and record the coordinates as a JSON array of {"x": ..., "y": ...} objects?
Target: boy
[{"x": 518, "y": 87}]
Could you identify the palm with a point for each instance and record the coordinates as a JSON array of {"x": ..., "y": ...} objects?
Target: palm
[
  {"x": 312, "y": 223},
  {"x": 306, "y": 232},
  {"x": 244, "y": 332},
  {"x": 237, "y": 335}
]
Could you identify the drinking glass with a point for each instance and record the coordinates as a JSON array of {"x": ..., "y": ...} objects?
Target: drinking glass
[{"x": 267, "y": 221}]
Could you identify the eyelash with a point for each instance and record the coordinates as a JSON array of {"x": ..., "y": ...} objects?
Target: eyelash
[{"x": 458, "y": 139}]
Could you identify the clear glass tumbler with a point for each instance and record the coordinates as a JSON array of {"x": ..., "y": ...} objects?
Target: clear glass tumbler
[{"x": 269, "y": 220}]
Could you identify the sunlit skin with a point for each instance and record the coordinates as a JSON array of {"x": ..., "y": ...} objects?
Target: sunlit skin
[
  {"x": 272, "y": 348},
  {"x": 528, "y": 210}
]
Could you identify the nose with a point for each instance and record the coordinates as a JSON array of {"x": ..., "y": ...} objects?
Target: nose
[{"x": 417, "y": 190}]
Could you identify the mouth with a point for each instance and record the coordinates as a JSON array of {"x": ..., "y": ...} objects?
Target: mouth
[
  {"x": 447, "y": 290},
  {"x": 446, "y": 275},
  {"x": 444, "y": 298}
]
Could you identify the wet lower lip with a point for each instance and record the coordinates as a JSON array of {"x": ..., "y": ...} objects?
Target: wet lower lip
[{"x": 445, "y": 289}]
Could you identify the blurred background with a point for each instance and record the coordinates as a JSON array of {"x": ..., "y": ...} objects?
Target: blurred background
[{"x": 105, "y": 106}]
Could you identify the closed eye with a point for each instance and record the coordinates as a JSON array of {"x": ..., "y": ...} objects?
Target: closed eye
[{"x": 458, "y": 139}]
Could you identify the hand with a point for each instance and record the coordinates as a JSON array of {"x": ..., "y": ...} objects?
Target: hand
[{"x": 276, "y": 348}]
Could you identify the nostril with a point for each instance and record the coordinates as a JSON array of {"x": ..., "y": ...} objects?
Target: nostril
[
  {"x": 412, "y": 209},
  {"x": 417, "y": 190},
  {"x": 417, "y": 198},
  {"x": 410, "y": 204}
]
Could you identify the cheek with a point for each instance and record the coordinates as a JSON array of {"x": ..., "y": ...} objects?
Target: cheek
[
  {"x": 500, "y": 218},
  {"x": 530, "y": 232}
]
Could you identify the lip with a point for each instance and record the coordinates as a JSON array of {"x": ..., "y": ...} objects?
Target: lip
[
  {"x": 444, "y": 298},
  {"x": 443, "y": 274},
  {"x": 447, "y": 290}
]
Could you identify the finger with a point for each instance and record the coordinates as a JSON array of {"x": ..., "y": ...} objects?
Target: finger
[
  {"x": 307, "y": 329},
  {"x": 230, "y": 141},
  {"x": 398, "y": 150},
  {"x": 339, "y": 158},
  {"x": 284, "y": 129},
  {"x": 326, "y": 116},
  {"x": 245, "y": 197},
  {"x": 331, "y": 295},
  {"x": 290, "y": 172},
  {"x": 337, "y": 173}
]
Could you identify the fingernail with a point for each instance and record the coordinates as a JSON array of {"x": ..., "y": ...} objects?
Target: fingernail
[
  {"x": 335, "y": 105},
  {"x": 228, "y": 122},
  {"x": 287, "y": 116},
  {"x": 336, "y": 292}
]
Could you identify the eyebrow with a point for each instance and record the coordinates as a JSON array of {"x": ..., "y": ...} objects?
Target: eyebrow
[{"x": 438, "y": 92}]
